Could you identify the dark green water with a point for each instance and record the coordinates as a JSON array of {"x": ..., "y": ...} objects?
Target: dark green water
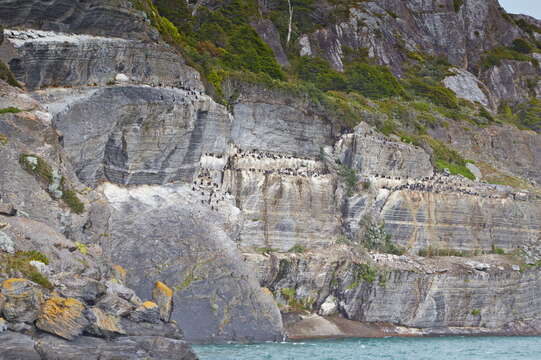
[{"x": 441, "y": 348}]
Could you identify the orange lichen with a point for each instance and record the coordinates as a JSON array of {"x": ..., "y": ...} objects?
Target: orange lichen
[
  {"x": 266, "y": 291},
  {"x": 149, "y": 305},
  {"x": 164, "y": 289},
  {"x": 8, "y": 284},
  {"x": 120, "y": 272},
  {"x": 62, "y": 317}
]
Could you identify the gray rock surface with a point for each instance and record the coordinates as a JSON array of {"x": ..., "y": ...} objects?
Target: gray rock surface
[
  {"x": 48, "y": 59},
  {"x": 427, "y": 294},
  {"x": 139, "y": 134},
  {"x": 467, "y": 86},
  {"x": 192, "y": 252},
  {"x": 115, "y": 18}
]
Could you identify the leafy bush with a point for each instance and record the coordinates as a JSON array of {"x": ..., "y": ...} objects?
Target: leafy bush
[
  {"x": 18, "y": 264},
  {"x": 373, "y": 81},
  {"x": 529, "y": 115},
  {"x": 43, "y": 171},
  {"x": 350, "y": 178},
  {"x": 7, "y": 75},
  {"x": 438, "y": 94},
  {"x": 297, "y": 248},
  {"x": 70, "y": 198},
  {"x": 36, "y": 165},
  {"x": 435, "y": 252},
  {"x": 10, "y": 110},
  {"x": 497, "y": 250},
  {"x": 522, "y": 46},
  {"x": 496, "y": 55},
  {"x": 457, "y": 4},
  {"x": 376, "y": 238},
  {"x": 319, "y": 72},
  {"x": 363, "y": 272}
]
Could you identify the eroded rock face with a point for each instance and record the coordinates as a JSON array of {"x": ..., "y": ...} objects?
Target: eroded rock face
[
  {"x": 467, "y": 86},
  {"x": 139, "y": 135},
  {"x": 164, "y": 233},
  {"x": 43, "y": 59},
  {"x": 372, "y": 154},
  {"x": 115, "y": 18},
  {"x": 424, "y": 294},
  {"x": 435, "y": 27},
  {"x": 513, "y": 82}
]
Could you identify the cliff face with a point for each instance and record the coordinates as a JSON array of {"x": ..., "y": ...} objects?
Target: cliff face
[{"x": 268, "y": 203}]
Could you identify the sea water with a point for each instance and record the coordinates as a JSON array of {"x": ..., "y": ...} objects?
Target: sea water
[{"x": 434, "y": 348}]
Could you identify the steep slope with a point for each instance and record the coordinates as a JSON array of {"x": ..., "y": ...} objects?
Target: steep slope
[{"x": 326, "y": 187}]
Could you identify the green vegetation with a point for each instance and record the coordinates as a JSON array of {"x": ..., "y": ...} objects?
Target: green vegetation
[
  {"x": 435, "y": 252},
  {"x": 476, "y": 312},
  {"x": 495, "y": 176},
  {"x": 18, "y": 264},
  {"x": 7, "y": 75},
  {"x": 495, "y": 56},
  {"x": 10, "y": 110},
  {"x": 457, "y": 4},
  {"x": 318, "y": 72},
  {"x": 3, "y": 139},
  {"x": 266, "y": 250},
  {"x": 39, "y": 168},
  {"x": 83, "y": 249},
  {"x": 350, "y": 179},
  {"x": 528, "y": 27},
  {"x": 529, "y": 115},
  {"x": 376, "y": 238},
  {"x": 522, "y": 46},
  {"x": 294, "y": 304},
  {"x": 215, "y": 41},
  {"x": 363, "y": 272},
  {"x": 373, "y": 81},
  {"x": 496, "y": 250},
  {"x": 297, "y": 248},
  {"x": 72, "y": 200}
]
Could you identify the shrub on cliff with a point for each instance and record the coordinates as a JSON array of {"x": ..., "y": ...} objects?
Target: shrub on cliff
[
  {"x": 373, "y": 81},
  {"x": 319, "y": 72},
  {"x": 522, "y": 46}
]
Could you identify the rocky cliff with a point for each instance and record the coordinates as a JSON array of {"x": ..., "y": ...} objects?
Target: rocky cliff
[{"x": 248, "y": 207}]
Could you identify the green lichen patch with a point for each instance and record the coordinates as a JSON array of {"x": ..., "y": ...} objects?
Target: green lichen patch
[
  {"x": 7, "y": 75},
  {"x": 56, "y": 184},
  {"x": 18, "y": 265},
  {"x": 10, "y": 110}
]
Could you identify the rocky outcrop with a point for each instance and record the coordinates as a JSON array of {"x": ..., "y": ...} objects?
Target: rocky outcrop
[
  {"x": 96, "y": 17},
  {"x": 514, "y": 82},
  {"x": 466, "y": 86},
  {"x": 193, "y": 252},
  {"x": 48, "y": 59},
  {"x": 18, "y": 346},
  {"x": 139, "y": 134},
  {"x": 170, "y": 184},
  {"x": 425, "y": 296},
  {"x": 460, "y": 34}
]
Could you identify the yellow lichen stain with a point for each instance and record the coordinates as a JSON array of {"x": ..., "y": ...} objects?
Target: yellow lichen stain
[
  {"x": 120, "y": 271},
  {"x": 266, "y": 291},
  {"x": 164, "y": 289},
  {"x": 149, "y": 305},
  {"x": 57, "y": 306},
  {"x": 8, "y": 284}
]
